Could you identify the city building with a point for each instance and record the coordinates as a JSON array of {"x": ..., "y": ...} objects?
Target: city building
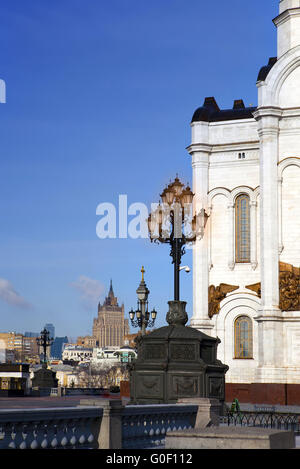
[
  {"x": 76, "y": 353},
  {"x": 110, "y": 327},
  {"x": 57, "y": 347},
  {"x": 246, "y": 175},
  {"x": 14, "y": 379},
  {"x": 87, "y": 341},
  {"x": 129, "y": 339},
  {"x": 14, "y": 347},
  {"x": 51, "y": 330},
  {"x": 109, "y": 356},
  {"x": 30, "y": 349}
]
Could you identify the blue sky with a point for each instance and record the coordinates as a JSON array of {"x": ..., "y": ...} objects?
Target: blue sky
[{"x": 100, "y": 95}]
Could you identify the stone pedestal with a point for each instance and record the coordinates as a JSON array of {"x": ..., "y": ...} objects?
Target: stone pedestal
[
  {"x": 43, "y": 380},
  {"x": 110, "y": 432},
  {"x": 176, "y": 362},
  {"x": 208, "y": 412}
]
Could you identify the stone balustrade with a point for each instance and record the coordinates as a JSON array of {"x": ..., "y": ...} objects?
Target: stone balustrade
[
  {"x": 95, "y": 423},
  {"x": 53, "y": 428},
  {"x": 145, "y": 426},
  {"x": 109, "y": 424}
]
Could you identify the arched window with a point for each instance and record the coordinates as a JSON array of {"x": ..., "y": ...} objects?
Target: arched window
[
  {"x": 242, "y": 229},
  {"x": 243, "y": 337}
]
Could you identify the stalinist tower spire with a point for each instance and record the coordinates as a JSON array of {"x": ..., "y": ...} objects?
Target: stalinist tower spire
[
  {"x": 288, "y": 26},
  {"x": 110, "y": 327}
]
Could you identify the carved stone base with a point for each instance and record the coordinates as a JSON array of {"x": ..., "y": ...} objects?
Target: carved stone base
[{"x": 176, "y": 362}]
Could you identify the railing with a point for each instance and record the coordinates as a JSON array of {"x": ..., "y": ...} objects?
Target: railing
[
  {"x": 107, "y": 424},
  {"x": 145, "y": 426},
  {"x": 263, "y": 419},
  {"x": 53, "y": 428}
]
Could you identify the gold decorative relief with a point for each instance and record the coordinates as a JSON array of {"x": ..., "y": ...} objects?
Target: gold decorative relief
[
  {"x": 289, "y": 287},
  {"x": 256, "y": 287},
  {"x": 216, "y": 295}
]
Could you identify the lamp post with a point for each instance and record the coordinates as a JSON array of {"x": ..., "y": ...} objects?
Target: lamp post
[
  {"x": 166, "y": 222},
  {"x": 45, "y": 341},
  {"x": 142, "y": 313},
  {"x": 176, "y": 362}
]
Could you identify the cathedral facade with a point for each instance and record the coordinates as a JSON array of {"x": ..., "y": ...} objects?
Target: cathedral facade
[
  {"x": 110, "y": 327},
  {"x": 246, "y": 175}
]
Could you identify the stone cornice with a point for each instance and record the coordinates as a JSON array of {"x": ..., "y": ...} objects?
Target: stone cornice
[
  {"x": 268, "y": 111},
  {"x": 238, "y": 146},
  {"x": 285, "y": 16},
  {"x": 223, "y": 147},
  {"x": 199, "y": 147},
  {"x": 291, "y": 112}
]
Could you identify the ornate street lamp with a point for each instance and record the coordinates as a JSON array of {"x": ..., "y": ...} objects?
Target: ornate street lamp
[
  {"x": 174, "y": 361},
  {"x": 45, "y": 341},
  {"x": 165, "y": 224},
  {"x": 142, "y": 313}
]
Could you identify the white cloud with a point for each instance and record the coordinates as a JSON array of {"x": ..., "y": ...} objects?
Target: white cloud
[
  {"x": 89, "y": 289},
  {"x": 10, "y": 296}
]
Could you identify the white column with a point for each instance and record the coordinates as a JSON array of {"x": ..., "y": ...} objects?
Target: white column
[
  {"x": 209, "y": 234},
  {"x": 288, "y": 26},
  {"x": 280, "y": 240},
  {"x": 200, "y": 163},
  {"x": 270, "y": 337},
  {"x": 268, "y": 129}
]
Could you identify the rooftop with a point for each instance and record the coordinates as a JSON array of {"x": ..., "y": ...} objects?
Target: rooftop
[{"x": 210, "y": 111}]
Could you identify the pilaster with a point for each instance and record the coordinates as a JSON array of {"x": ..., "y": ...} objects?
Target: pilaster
[
  {"x": 270, "y": 321},
  {"x": 268, "y": 130},
  {"x": 200, "y": 163},
  {"x": 288, "y": 26}
]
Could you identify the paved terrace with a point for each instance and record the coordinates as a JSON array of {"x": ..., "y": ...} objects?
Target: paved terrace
[
  {"x": 71, "y": 401},
  {"x": 28, "y": 402}
]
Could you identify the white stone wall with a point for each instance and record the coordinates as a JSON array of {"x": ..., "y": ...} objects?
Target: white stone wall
[
  {"x": 270, "y": 175},
  {"x": 291, "y": 215},
  {"x": 234, "y": 305}
]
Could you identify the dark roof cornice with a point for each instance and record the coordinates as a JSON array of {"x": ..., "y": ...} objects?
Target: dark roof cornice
[
  {"x": 210, "y": 112},
  {"x": 264, "y": 71}
]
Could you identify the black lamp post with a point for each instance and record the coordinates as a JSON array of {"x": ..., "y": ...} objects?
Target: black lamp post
[
  {"x": 175, "y": 361},
  {"x": 142, "y": 313},
  {"x": 166, "y": 222},
  {"x": 45, "y": 341}
]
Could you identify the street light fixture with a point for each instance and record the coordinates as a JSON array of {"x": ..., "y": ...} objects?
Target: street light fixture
[
  {"x": 166, "y": 222},
  {"x": 175, "y": 361},
  {"x": 142, "y": 313},
  {"x": 44, "y": 341}
]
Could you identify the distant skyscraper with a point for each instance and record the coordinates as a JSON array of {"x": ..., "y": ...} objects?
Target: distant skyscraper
[
  {"x": 31, "y": 334},
  {"x": 57, "y": 347},
  {"x": 51, "y": 329},
  {"x": 110, "y": 327}
]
